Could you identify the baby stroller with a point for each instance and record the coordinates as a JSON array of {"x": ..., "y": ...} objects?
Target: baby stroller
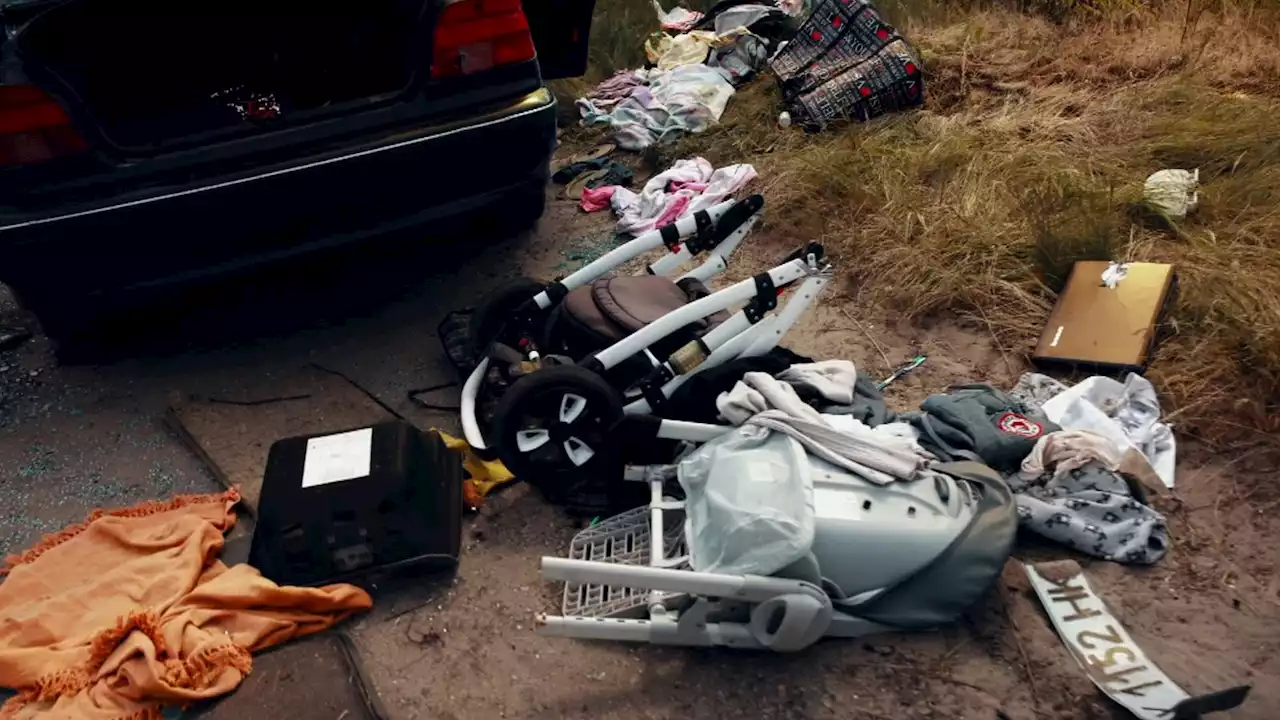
[
  {"x": 574, "y": 360},
  {"x": 906, "y": 556}
]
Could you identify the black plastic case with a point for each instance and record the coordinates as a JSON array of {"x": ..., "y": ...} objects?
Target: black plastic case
[{"x": 406, "y": 514}]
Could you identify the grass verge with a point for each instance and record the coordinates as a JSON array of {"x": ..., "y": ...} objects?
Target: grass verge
[{"x": 1043, "y": 118}]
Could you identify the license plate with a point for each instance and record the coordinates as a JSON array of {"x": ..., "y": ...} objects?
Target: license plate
[{"x": 1104, "y": 649}]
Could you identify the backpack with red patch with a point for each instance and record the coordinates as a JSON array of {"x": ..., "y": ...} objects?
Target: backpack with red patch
[{"x": 846, "y": 62}]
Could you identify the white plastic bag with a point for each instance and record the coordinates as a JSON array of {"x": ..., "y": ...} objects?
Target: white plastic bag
[
  {"x": 1173, "y": 192},
  {"x": 1126, "y": 413},
  {"x": 749, "y": 503}
]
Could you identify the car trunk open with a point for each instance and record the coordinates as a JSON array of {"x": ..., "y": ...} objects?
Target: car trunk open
[{"x": 149, "y": 74}]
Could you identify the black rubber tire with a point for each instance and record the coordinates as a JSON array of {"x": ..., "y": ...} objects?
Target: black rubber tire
[
  {"x": 526, "y": 209},
  {"x": 493, "y": 312},
  {"x": 522, "y": 401},
  {"x": 71, "y": 323},
  {"x": 516, "y": 213}
]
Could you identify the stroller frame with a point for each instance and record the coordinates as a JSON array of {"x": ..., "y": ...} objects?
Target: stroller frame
[
  {"x": 785, "y": 615},
  {"x": 753, "y": 330}
]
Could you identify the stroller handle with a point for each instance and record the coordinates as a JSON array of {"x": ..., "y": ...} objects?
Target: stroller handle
[{"x": 733, "y": 218}]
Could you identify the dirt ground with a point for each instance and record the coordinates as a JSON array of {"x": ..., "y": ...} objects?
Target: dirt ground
[{"x": 74, "y": 438}]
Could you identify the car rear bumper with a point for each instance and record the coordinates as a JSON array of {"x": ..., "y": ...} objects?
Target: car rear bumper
[{"x": 175, "y": 235}]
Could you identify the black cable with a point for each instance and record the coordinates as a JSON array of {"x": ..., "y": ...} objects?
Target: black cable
[
  {"x": 360, "y": 387},
  {"x": 252, "y": 403},
  {"x": 415, "y": 392}
]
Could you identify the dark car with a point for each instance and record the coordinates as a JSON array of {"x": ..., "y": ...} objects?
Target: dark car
[{"x": 150, "y": 144}]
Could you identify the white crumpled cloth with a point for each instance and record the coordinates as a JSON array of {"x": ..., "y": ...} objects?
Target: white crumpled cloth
[
  {"x": 881, "y": 455},
  {"x": 686, "y": 187},
  {"x": 686, "y": 99},
  {"x": 833, "y": 379},
  {"x": 742, "y": 16},
  {"x": 1128, "y": 414}
]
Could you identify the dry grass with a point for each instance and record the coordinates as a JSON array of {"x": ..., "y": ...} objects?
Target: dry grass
[{"x": 1043, "y": 119}]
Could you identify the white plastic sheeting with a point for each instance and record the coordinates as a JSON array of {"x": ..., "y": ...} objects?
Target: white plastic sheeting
[
  {"x": 1126, "y": 413},
  {"x": 748, "y": 503}
]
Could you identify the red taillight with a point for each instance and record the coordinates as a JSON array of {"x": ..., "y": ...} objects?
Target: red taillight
[
  {"x": 477, "y": 35},
  {"x": 34, "y": 127}
]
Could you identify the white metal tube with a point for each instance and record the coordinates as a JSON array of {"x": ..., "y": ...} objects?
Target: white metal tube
[
  {"x": 719, "y": 259},
  {"x": 729, "y": 350},
  {"x": 656, "y": 529},
  {"x": 638, "y": 576},
  {"x": 755, "y": 340},
  {"x": 691, "y": 431},
  {"x": 787, "y": 317},
  {"x": 713, "y": 303},
  {"x": 726, "y": 331},
  {"x": 467, "y": 406},
  {"x": 657, "y": 535},
  {"x": 671, "y": 262},
  {"x": 586, "y": 628},
  {"x": 597, "y": 268}
]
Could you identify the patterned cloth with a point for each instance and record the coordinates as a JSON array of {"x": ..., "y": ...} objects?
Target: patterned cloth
[
  {"x": 616, "y": 88},
  {"x": 980, "y": 423},
  {"x": 1035, "y": 389},
  {"x": 846, "y": 62},
  {"x": 1069, "y": 491}
]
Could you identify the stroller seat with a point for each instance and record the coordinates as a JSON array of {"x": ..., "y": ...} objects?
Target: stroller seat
[
  {"x": 910, "y": 556},
  {"x": 595, "y": 316}
]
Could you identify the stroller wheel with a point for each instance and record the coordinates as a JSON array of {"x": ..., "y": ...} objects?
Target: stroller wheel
[
  {"x": 555, "y": 422},
  {"x": 494, "y": 312}
]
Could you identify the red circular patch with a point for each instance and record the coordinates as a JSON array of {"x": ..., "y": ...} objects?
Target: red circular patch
[
  {"x": 835, "y": 21},
  {"x": 1015, "y": 424},
  {"x": 865, "y": 91},
  {"x": 882, "y": 34},
  {"x": 911, "y": 68},
  {"x": 816, "y": 35}
]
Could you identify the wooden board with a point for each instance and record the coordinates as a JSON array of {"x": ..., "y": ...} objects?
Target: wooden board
[{"x": 232, "y": 433}]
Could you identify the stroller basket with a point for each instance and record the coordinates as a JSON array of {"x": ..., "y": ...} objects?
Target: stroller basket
[{"x": 622, "y": 539}]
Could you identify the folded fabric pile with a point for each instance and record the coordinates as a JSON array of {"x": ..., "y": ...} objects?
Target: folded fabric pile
[
  {"x": 693, "y": 72},
  {"x": 132, "y": 610},
  {"x": 686, "y": 99}
]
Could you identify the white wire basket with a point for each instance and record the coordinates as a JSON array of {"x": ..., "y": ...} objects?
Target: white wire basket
[{"x": 625, "y": 539}]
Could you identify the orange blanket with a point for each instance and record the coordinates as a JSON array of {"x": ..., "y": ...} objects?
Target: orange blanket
[{"x": 132, "y": 609}]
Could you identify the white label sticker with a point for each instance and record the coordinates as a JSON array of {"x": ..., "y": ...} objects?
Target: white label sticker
[
  {"x": 335, "y": 458},
  {"x": 1111, "y": 659},
  {"x": 1057, "y": 336}
]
